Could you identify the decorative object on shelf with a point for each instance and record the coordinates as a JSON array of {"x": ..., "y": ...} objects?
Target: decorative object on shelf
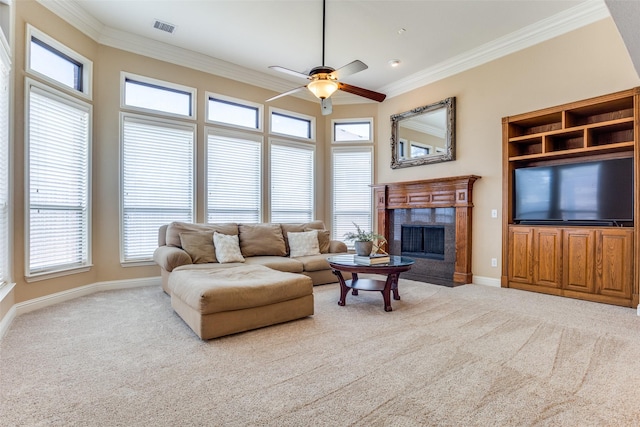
[
  {"x": 424, "y": 135},
  {"x": 365, "y": 241}
]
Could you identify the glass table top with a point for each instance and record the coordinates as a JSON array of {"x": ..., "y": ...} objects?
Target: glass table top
[{"x": 394, "y": 261}]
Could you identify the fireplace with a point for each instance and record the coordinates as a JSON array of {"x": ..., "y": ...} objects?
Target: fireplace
[
  {"x": 429, "y": 221},
  {"x": 428, "y": 235}
]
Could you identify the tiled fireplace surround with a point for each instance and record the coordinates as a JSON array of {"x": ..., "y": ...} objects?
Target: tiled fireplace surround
[{"x": 429, "y": 207}]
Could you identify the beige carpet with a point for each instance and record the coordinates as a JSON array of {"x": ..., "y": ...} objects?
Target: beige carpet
[{"x": 464, "y": 356}]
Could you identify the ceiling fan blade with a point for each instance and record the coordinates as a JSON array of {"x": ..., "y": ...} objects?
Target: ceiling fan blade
[
  {"x": 288, "y": 71},
  {"x": 326, "y": 106},
  {"x": 289, "y": 92},
  {"x": 351, "y": 68},
  {"x": 365, "y": 93}
]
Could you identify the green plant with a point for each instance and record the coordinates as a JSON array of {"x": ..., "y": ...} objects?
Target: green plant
[{"x": 363, "y": 236}]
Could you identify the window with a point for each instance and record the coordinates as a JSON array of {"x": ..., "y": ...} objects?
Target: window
[
  {"x": 352, "y": 194},
  {"x": 352, "y": 130},
  {"x": 292, "y": 124},
  {"x": 57, "y": 64},
  {"x": 156, "y": 96},
  {"x": 157, "y": 181},
  {"x": 233, "y": 112},
  {"x": 292, "y": 182},
  {"x": 234, "y": 177},
  {"x": 58, "y": 153},
  {"x": 5, "y": 65}
]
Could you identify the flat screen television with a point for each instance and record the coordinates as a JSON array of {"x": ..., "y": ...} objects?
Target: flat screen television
[{"x": 594, "y": 192}]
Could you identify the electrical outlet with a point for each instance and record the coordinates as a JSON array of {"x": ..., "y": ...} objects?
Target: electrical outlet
[
  {"x": 494, "y": 262},
  {"x": 494, "y": 213}
]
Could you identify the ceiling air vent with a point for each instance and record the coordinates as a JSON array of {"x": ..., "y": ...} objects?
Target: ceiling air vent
[{"x": 164, "y": 26}]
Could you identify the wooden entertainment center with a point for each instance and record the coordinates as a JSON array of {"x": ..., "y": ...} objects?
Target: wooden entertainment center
[{"x": 593, "y": 262}]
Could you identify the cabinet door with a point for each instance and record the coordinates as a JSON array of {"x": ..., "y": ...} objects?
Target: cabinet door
[
  {"x": 547, "y": 257},
  {"x": 578, "y": 256},
  {"x": 614, "y": 263},
  {"x": 520, "y": 254}
]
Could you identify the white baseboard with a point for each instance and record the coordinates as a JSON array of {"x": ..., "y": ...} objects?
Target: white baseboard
[
  {"x": 48, "y": 300},
  {"x": 486, "y": 281}
]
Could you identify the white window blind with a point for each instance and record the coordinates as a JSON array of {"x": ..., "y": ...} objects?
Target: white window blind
[
  {"x": 234, "y": 177},
  {"x": 58, "y": 162},
  {"x": 292, "y": 187},
  {"x": 352, "y": 194},
  {"x": 157, "y": 180},
  {"x": 4, "y": 166}
]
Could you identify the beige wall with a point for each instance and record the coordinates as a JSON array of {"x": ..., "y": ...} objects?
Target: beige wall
[{"x": 587, "y": 62}]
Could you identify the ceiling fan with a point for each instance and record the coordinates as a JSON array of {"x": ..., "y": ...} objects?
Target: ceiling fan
[{"x": 324, "y": 80}]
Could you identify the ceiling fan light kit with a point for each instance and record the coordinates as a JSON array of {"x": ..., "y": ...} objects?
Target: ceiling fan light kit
[
  {"x": 323, "y": 88},
  {"x": 324, "y": 80}
]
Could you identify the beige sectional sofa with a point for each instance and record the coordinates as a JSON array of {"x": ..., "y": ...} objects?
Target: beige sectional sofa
[
  {"x": 260, "y": 244},
  {"x": 229, "y": 278}
]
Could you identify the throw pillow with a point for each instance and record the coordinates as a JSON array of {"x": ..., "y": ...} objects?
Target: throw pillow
[
  {"x": 261, "y": 239},
  {"x": 324, "y": 240},
  {"x": 199, "y": 246},
  {"x": 304, "y": 243},
  {"x": 227, "y": 248}
]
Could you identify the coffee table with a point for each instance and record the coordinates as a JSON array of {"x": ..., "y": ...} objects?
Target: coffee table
[{"x": 395, "y": 266}]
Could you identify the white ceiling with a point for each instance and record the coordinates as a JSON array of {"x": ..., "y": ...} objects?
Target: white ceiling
[{"x": 241, "y": 38}]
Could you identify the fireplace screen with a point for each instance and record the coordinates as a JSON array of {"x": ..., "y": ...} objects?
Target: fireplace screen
[{"x": 426, "y": 241}]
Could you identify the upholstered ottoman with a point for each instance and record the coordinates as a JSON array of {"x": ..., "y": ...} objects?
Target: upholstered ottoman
[{"x": 220, "y": 302}]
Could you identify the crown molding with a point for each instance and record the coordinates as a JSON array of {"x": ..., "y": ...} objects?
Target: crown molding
[
  {"x": 70, "y": 11},
  {"x": 578, "y": 16},
  {"x": 571, "y": 19}
]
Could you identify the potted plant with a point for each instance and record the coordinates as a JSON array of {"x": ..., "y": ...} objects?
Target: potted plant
[{"x": 364, "y": 241}]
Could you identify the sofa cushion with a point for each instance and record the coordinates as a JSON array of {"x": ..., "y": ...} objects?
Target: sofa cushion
[
  {"x": 175, "y": 228},
  {"x": 303, "y": 243},
  {"x": 227, "y": 248},
  {"x": 324, "y": 240},
  {"x": 314, "y": 262},
  {"x": 280, "y": 263},
  {"x": 199, "y": 246},
  {"x": 261, "y": 239},
  {"x": 228, "y": 289}
]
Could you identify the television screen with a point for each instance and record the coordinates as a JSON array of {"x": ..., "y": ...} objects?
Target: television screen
[{"x": 591, "y": 191}]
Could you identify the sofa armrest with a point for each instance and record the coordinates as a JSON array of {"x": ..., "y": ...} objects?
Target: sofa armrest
[
  {"x": 170, "y": 257},
  {"x": 336, "y": 246}
]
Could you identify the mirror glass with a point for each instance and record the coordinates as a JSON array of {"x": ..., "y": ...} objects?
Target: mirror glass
[{"x": 423, "y": 135}]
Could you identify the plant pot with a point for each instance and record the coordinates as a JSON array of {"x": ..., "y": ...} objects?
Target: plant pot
[{"x": 363, "y": 248}]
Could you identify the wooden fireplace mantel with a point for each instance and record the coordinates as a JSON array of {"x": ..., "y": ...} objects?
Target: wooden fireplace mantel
[{"x": 449, "y": 192}]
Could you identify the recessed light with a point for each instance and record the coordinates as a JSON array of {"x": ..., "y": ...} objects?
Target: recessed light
[
  {"x": 401, "y": 31},
  {"x": 394, "y": 62}
]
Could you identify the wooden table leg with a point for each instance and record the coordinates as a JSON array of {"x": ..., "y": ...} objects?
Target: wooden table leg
[
  {"x": 394, "y": 286},
  {"x": 343, "y": 287},
  {"x": 354, "y": 279},
  {"x": 386, "y": 293}
]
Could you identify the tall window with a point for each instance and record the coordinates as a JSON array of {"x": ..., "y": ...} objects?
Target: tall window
[
  {"x": 5, "y": 275},
  {"x": 292, "y": 182},
  {"x": 234, "y": 177},
  {"x": 58, "y": 153},
  {"x": 352, "y": 194},
  {"x": 157, "y": 181}
]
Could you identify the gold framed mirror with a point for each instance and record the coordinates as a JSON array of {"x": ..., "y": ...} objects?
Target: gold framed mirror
[{"x": 424, "y": 135}]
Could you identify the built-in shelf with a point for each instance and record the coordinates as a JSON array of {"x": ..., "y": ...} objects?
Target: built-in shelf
[{"x": 597, "y": 264}]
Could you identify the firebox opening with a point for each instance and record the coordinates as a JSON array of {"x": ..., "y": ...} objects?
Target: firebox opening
[{"x": 423, "y": 241}]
